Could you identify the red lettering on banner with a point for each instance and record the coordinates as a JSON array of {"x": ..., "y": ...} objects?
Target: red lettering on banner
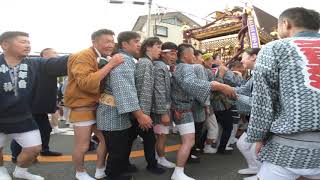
[{"x": 311, "y": 49}]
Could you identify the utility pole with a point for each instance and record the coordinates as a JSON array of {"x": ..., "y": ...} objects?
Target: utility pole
[{"x": 149, "y": 19}]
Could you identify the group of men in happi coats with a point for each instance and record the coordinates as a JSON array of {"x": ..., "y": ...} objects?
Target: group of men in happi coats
[{"x": 142, "y": 89}]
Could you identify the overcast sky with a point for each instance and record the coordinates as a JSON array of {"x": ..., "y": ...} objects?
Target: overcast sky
[{"x": 66, "y": 25}]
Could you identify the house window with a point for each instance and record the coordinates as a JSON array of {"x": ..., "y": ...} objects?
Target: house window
[
  {"x": 169, "y": 21},
  {"x": 173, "y": 21},
  {"x": 161, "y": 31}
]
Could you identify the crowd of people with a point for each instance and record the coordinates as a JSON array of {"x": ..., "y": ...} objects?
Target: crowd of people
[{"x": 143, "y": 89}]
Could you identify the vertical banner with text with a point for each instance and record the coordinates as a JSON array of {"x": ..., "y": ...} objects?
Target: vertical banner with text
[{"x": 253, "y": 33}]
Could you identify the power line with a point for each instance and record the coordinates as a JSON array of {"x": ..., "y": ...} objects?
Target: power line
[
  {"x": 186, "y": 13},
  {"x": 158, "y": 6}
]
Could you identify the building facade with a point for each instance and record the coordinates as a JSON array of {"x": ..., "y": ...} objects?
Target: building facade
[{"x": 168, "y": 26}]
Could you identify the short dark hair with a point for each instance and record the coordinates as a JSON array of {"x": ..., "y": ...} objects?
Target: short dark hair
[
  {"x": 235, "y": 64},
  {"x": 169, "y": 45},
  {"x": 303, "y": 18},
  {"x": 149, "y": 42},
  {"x": 43, "y": 51},
  {"x": 100, "y": 32},
  {"x": 197, "y": 53},
  {"x": 126, "y": 36},
  {"x": 11, "y": 34},
  {"x": 252, "y": 51},
  {"x": 182, "y": 47}
]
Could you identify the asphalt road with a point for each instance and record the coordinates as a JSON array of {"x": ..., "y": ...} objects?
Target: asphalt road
[{"x": 212, "y": 166}]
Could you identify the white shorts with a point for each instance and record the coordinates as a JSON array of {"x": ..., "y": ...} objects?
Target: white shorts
[
  {"x": 25, "y": 140},
  {"x": 161, "y": 129},
  {"x": 187, "y": 128},
  {"x": 85, "y": 123},
  {"x": 270, "y": 171}
]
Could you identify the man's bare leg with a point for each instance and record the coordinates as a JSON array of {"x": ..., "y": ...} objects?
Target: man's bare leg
[
  {"x": 160, "y": 148},
  {"x": 24, "y": 161},
  {"x": 101, "y": 154},
  {"x": 188, "y": 141},
  {"x": 55, "y": 119},
  {"x": 27, "y": 156},
  {"x": 55, "y": 123},
  {"x": 161, "y": 144},
  {"x": 82, "y": 136}
]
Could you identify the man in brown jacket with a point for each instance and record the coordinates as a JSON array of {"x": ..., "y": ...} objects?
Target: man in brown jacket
[{"x": 82, "y": 95}]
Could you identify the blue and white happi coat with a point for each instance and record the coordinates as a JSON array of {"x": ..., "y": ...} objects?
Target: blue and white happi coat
[
  {"x": 218, "y": 101},
  {"x": 144, "y": 83},
  {"x": 244, "y": 101},
  {"x": 161, "y": 103},
  {"x": 243, "y": 89},
  {"x": 198, "y": 109},
  {"x": 186, "y": 87},
  {"x": 120, "y": 83},
  {"x": 286, "y": 102}
]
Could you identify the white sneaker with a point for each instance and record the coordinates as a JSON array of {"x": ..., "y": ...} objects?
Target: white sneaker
[
  {"x": 209, "y": 150},
  {"x": 57, "y": 130},
  {"x": 251, "y": 178},
  {"x": 4, "y": 175},
  {"x": 165, "y": 163},
  {"x": 248, "y": 171},
  {"x": 83, "y": 176},
  {"x": 100, "y": 173},
  {"x": 26, "y": 175},
  {"x": 228, "y": 148},
  {"x": 180, "y": 176}
]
